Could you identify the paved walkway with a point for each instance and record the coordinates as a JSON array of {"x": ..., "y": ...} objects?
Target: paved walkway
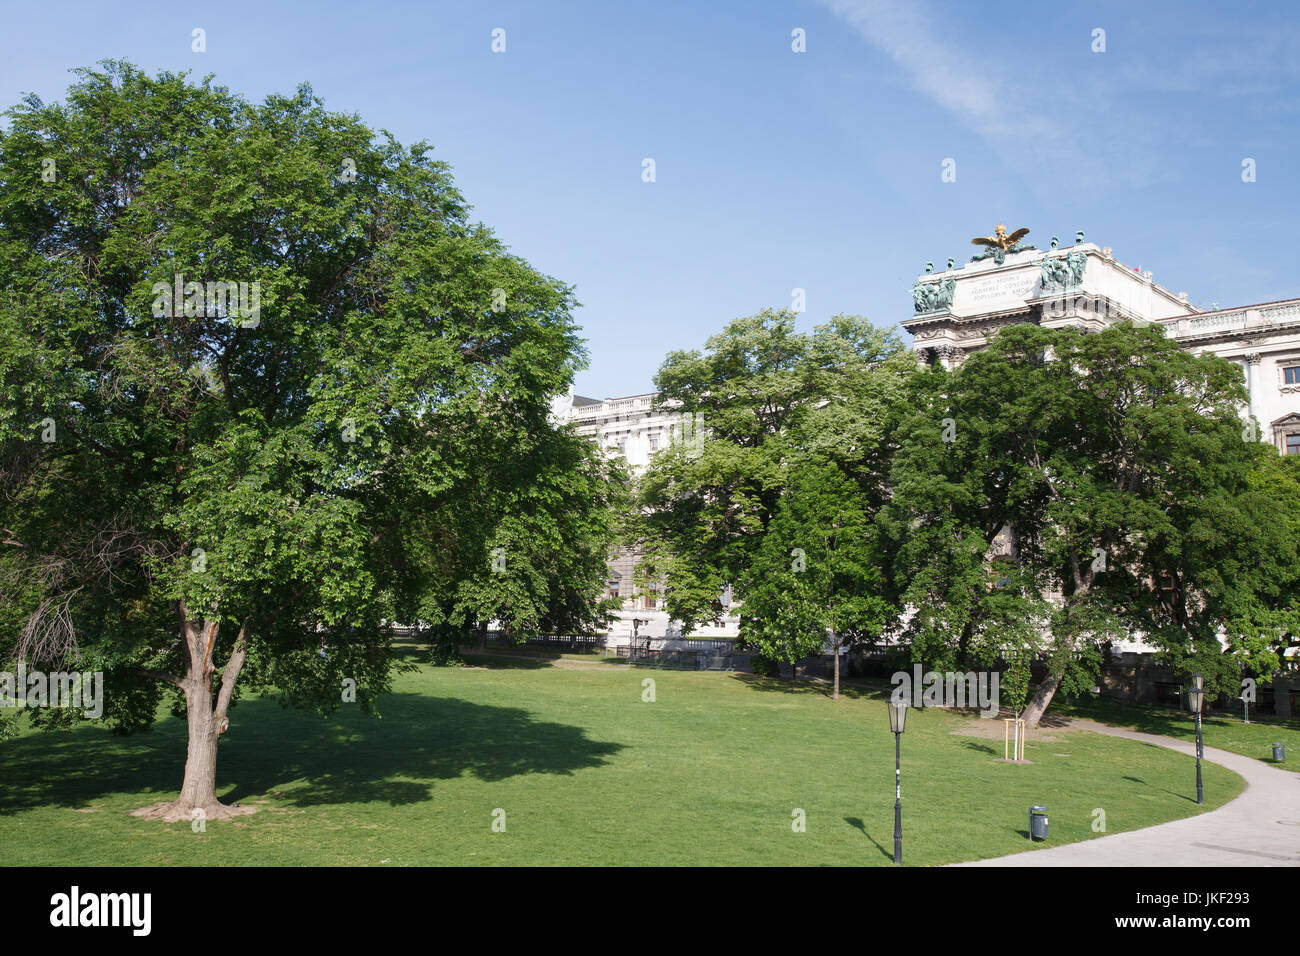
[{"x": 1259, "y": 828}]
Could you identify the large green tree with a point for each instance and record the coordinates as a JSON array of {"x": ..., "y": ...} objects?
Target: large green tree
[
  {"x": 1114, "y": 465},
  {"x": 815, "y": 580},
  {"x": 191, "y": 492},
  {"x": 534, "y": 554},
  {"x": 776, "y": 410}
]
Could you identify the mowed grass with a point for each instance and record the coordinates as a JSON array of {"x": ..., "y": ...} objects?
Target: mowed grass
[{"x": 586, "y": 772}]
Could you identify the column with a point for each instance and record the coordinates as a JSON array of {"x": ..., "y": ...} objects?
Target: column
[
  {"x": 1252, "y": 363},
  {"x": 949, "y": 355}
]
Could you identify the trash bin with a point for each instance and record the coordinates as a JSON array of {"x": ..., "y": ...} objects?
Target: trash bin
[
  {"x": 1279, "y": 753},
  {"x": 1037, "y": 823}
]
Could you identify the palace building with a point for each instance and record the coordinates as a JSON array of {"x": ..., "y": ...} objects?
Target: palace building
[
  {"x": 632, "y": 428},
  {"x": 629, "y": 427},
  {"x": 1085, "y": 286},
  {"x": 955, "y": 312}
]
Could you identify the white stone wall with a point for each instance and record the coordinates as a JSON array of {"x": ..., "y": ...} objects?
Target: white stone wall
[
  {"x": 628, "y": 427},
  {"x": 1265, "y": 341},
  {"x": 657, "y": 625},
  {"x": 632, "y": 429}
]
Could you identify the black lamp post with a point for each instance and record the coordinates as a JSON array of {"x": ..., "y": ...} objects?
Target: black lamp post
[
  {"x": 1195, "y": 699},
  {"x": 897, "y": 723}
]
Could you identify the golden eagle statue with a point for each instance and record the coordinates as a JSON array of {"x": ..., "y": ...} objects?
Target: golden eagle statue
[{"x": 1000, "y": 240}]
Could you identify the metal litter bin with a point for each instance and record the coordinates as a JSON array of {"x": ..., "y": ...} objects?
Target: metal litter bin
[
  {"x": 1279, "y": 753},
  {"x": 1037, "y": 823}
]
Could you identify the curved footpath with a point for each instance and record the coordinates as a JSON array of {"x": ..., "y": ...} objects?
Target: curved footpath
[{"x": 1259, "y": 828}]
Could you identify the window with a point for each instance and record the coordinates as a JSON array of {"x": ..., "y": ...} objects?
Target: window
[
  {"x": 1291, "y": 376},
  {"x": 1286, "y": 432},
  {"x": 654, "y": 442}
]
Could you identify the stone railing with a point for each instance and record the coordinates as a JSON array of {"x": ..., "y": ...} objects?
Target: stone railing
[
  {"x": 1284, "y": 313},
  {"x": 1216, "y": 322},
  {"x": 1287, "y": 312},
  {"x": 603, "y": 409}
]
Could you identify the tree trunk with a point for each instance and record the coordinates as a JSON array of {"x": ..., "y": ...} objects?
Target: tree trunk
[
  {"x": 482, "y": 636},
  {"x": 1047, "y": 689},
  {"x": 206, "y": 720},
  {"x": 1043, "y": 697},
  {"x": 198, "y": 788},
  {"x": 835, "y": 646}
]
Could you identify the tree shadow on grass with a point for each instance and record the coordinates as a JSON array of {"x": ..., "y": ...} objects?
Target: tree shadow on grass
[
  {"x": 301, "y": 760},
  {"x": 492, "y": 661},
  {"x": 1165, "y": 721},
  {"x": 784, "y": 685}
]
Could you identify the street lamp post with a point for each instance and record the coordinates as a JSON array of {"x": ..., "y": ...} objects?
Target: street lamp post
[
  {"x": 1196, "y": 698},
  {"x": 897, "y": 723}
]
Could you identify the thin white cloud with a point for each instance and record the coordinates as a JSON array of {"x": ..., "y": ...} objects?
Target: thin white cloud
[
  {"x": 1113, "y": 134},
  {"x": 902, "y": 32},
  {"x": 1017, "y": 116},
  {"x": 1023, "y": 132}
]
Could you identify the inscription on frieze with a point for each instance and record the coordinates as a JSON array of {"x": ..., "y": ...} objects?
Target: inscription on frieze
[{"x": 1009, "y": 287}]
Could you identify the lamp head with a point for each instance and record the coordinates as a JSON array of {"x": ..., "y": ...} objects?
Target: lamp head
[{"x": 897, "y": 714}]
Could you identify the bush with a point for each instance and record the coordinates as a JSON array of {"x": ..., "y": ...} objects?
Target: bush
[
  {"x": 444, "y": 646},
  {"x": 764, "y": 666}
]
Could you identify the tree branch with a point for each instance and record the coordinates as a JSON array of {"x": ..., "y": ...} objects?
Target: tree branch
[
  {"x": 159, "y": 675},
  {"x": 230, "y": 674}
]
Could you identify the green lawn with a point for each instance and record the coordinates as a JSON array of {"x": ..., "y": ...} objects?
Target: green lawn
[
  {"x": 587, "y": 773},
  {"x": 1224, "y": 729}
]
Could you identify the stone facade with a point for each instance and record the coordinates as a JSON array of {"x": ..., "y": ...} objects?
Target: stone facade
[
  {"x": 633, "y": 429},
  {"x": 629, "y": 427},
  {"x": 1084, "y": 286}
]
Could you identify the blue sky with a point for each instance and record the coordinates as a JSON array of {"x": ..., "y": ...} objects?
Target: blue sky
[{"x": 778, "y": 170}]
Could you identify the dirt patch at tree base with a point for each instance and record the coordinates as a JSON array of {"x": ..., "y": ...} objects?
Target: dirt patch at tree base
[{"x": 169, "y": 812}]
